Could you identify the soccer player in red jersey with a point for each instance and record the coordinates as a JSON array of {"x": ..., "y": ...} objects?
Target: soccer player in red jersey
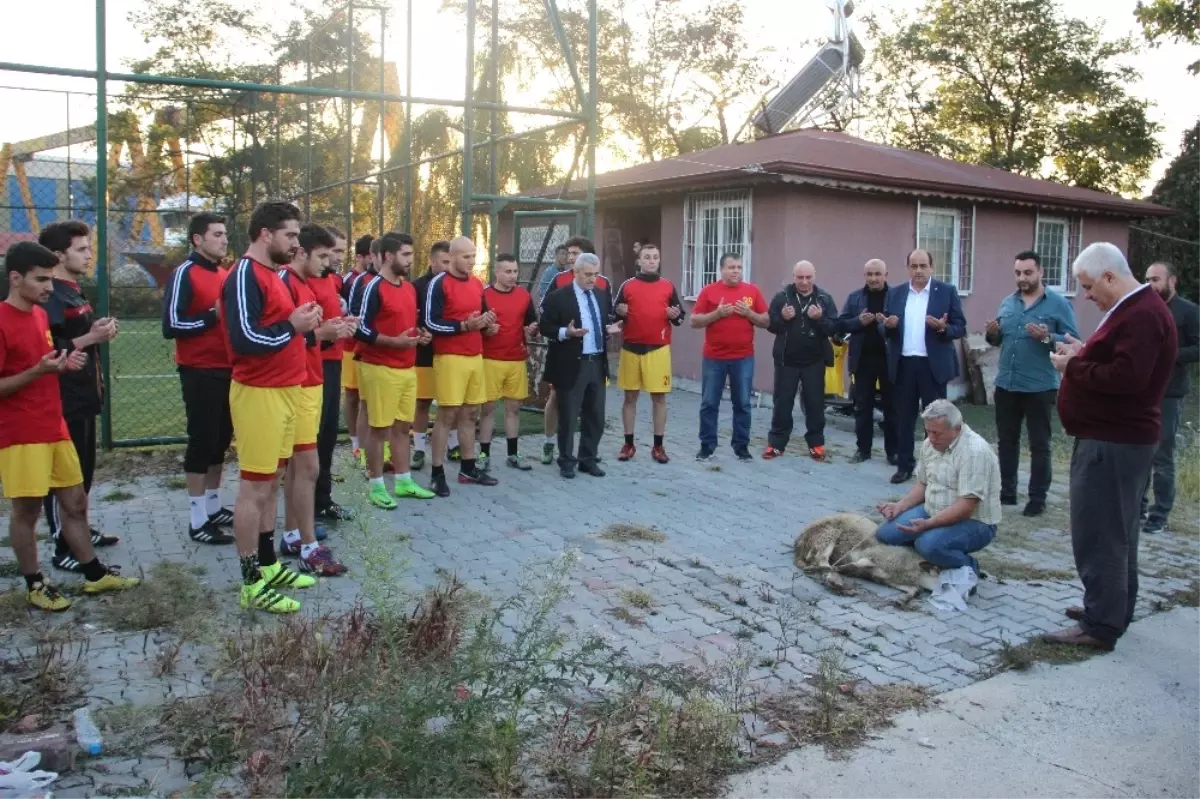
[
  {"x": 190, "y": 320},
  {"x": 387, "y": 360},
  {"x": 36, "y": 453},
  {"x": 299, "y": 538},
  {"x": 266, "y": 333},
  {"x": 456, "y": 315},
  {"x": 504, "y": 353},
  {"x": 650, "y": 306}
]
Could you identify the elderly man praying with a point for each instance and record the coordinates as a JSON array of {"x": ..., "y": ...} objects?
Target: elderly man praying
[{"x": 954, "y": 507}]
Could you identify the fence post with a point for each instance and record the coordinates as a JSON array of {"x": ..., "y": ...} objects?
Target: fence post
[{"x": 102, "y": 271}]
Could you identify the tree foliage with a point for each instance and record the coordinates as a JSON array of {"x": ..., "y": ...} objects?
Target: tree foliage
[
  {"x": 1013, "y": 84},
  {"x": 1178, "y": 20},
  {"x": 1175, "y": 238}
]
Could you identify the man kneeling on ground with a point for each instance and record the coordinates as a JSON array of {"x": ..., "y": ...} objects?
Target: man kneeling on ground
[{"x": 954, "y": 507}]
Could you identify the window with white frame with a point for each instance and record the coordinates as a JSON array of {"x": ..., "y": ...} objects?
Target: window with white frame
[
  {"x": 714, "y": 223},
  {"x": 1056, "y": 240},
  {"x": 948, "y": 235}
]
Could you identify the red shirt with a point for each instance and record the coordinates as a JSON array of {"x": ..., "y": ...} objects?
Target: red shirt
[
  {"x": 449, "y": 302},
  {"x": 189, "y": 318},
  {"x": 565, "y": 277},
  {"x": 514, "y": 310},
  {"x": 34, "y": 414},
  {"x": 328, "y": 288},
  {"x": 389, "y": 309},
  {"x": 646, "y": 324},
  {"x": 730, "y": 338},
  {"x": 265, "y": 349},
  {"x": 302, "y": 293}
]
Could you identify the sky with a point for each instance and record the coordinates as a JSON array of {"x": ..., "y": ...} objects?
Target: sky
[{"x": 782, "y": 25}]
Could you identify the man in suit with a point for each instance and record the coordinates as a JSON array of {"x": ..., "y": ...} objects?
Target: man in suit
[
  {"x": 868, "y": 361},
  {"x": 574, "y": 323},
  {"x": 921, "y": 320}
]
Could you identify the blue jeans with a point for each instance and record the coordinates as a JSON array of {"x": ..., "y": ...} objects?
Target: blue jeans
[
  {"x": 944, "y": 547},
  {"x": 740, "y": 374}
]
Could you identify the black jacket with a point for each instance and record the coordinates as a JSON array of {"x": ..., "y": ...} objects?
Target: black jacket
[
  {"x": 562, "y": 357},
  {"x": 71, "y": 316},
  {"x": 1187, "y": 324},
  {"x": 801, "y": 341}
]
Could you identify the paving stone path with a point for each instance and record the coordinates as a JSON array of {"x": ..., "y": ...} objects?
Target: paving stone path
[{"x": 723, "y": 575}]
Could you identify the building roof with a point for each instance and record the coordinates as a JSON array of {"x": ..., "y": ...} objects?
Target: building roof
[{"x": 840, "y": 160}]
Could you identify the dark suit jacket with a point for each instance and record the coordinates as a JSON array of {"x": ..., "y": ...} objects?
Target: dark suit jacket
[
  {"x": 562, "y": 357},
  {"x": 848, "y": 324},
  {"x": 943, "y": 358}
]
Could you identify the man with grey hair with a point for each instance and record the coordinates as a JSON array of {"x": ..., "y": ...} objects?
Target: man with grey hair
[
  {"x": 1110, "y": 399},
  {"x": 953, "y": 508}
]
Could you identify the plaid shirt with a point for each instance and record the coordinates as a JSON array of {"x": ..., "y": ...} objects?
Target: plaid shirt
[{"x": 968, "y": 468}]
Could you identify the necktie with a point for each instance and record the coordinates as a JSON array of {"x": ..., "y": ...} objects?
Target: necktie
[{"x": 597, "y": 329}]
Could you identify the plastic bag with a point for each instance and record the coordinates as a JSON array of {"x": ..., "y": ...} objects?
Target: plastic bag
[
  {"x": 18, "y": 780},
  {"x": 954, "y": 586}
]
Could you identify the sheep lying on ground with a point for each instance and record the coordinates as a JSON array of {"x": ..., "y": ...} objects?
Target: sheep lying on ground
[{"x": 845, "y": 544}]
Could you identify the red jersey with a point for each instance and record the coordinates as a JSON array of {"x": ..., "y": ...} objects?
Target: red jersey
[
  {"x": 732, "y": 337},
  {"x": 390, "y": 309},
  {"x": 302, "y": 294},
  {"x": 189, "y": 316},
  {"x": 265, "y": 349},
  {"x": 328, "y": 288},
  {"x": 565, "y": 277},
  {"x": 32, "y": 415},
  {"x": 646, "y": 325},
  {"x": 449, "y": 302},
  {"x": 514, "y": 310}
]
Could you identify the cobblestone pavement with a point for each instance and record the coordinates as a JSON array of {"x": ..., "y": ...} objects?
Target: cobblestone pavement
[{"x": 723, "y": 574}]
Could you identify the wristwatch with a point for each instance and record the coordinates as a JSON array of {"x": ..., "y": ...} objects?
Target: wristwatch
[{"x": 1047, "y": 339}]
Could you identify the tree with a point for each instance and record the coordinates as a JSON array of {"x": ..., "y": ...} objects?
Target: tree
[
  {"x": 1016, "y": 85},
  {"x": 1175, "y": 238},
  {"x": 1165, "y": 19}
]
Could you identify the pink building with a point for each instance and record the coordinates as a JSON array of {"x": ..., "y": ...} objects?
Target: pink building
[{"x": 838, "y": 201}]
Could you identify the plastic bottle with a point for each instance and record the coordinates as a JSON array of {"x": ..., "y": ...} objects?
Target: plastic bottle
[{"x": 86, "y": 732}]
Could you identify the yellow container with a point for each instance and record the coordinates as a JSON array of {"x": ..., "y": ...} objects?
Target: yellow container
[{"x": 836, "y": 383}]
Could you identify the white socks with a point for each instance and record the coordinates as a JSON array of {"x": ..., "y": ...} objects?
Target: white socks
[
  {"x": 308, "y": 549},
  {"x": 404, "y": 478},
  {"x": 376, "y": 482},
  {"x": 354, "y": 442},
  {"x": 291, "y": 536},
  {"x": 453, "y": 441},
  {"x": 197, "y": 512},
  {"x": 551, "y": 439},
  {"x": 212, "y": 501},
  {"x": 419, "y": 442}
]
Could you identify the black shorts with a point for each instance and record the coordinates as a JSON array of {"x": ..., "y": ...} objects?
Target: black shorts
[{"x": 209, "y": 426}]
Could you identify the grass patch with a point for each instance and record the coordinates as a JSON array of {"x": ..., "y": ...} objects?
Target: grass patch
[
  {"x": 128, "y": 728},
  {"x": 174, "y": 483},
  {"x": 14, "y": 608},
  {"x": 1184, "y": 597},
  {"x": 118, "y": 495},
  {"x": 627, "y": 616},
  {"x": 9, "y": 568},
  {"x": 43, "y": 682},
  {"x": 637, "y": 597},
  {"x": 625, "y": 532},
  {"x": 1007, "y": 569},
  {"x": 170, "y": 597},
  {"x": 1021, "y": 657}
]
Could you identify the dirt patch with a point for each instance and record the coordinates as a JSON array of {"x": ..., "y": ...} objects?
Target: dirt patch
[
  {"x": 625, "y": 532},
  {"x": 1023, "y": 656},
  {"x": 1004, "y": 568}
]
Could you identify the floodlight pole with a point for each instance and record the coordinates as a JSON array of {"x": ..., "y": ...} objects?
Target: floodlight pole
[
  {"x": 468, "y": 124},
  {"x": 349, "y": 196},
  {"x": 408, "y": 173},
  {"x": 493, "y": 151}
]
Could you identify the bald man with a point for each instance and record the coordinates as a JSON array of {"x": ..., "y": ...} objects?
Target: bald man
[
  {"x": 868, "y": 361},
  {"x": 802, "y": 317},
  {"x": 457, "y": 316}
]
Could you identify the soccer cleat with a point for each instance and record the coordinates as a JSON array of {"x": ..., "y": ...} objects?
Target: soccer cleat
[
  {"x": 659, "y": 454},
  {"x": 209, "y": 533},
  {"x": 1149, "y": 528},
  {"x": 743, "y": 454},
  {"x": 279, "y": 576},
  {"x": 439, "y": 486},
  {"x": 705, "y": 454},
  {"x": 261, "y": 596},
  {"x": 517, "y": 462},
  {"x": 99, "y": 539},
  {"x": 454, "y": 453},
  {"x": 222, "y": 518},
  {"x": 319, "y": 532},
  {"x": 67, "y": 562},
  {"x": 408, "y": 488},
  {"x": 547, "y": 454},
  {"x": 770, "y": 453},
  {"x": 380, "y": 498},
  {"x": 480, "y": 478},
  {"x": 417, "y": 462},
  {"x": 322, "y": 563},
  {"x": 817, "y": 453},
  {"x": 334, "y": 512},
  {"x": 47, "y": 597},
  {"x": 288, "y": 549},
  {"x": 627, "y": 452},
  {"x": 483, "y": 462},
  {"x": 111, "y": 581}
]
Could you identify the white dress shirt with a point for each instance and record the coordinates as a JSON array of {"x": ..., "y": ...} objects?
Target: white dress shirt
[
  {"x": 1117, "y": 304},
  {"x": 585, "y": 315},
  {"x": 916, "y": 308}
]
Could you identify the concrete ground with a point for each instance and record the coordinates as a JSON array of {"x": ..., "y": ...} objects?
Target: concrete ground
[{"x": 1120, "y": 724}]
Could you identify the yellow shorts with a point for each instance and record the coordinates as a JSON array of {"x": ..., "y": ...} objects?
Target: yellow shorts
[
  {"x": 308, "y": 418},
  {"x": 349, "y": 372},
  {"x": 425, "y": 387},
  {"x": 34, "y": 470},
  {"x": 390, "y": 393},
  {"x": 264, "y": 422},
  {"x": 650, "y": 372},
  {"x": 505, "y": 380},
  {"x": 459, "y": 380}
]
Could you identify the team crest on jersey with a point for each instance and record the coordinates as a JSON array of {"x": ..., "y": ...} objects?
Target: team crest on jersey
[
  {"x": 748, "y": 300},
  {"x": 49, "y": 338}
]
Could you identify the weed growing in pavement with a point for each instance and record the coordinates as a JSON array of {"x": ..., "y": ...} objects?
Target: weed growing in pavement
[
  {"x": 624, "y": 532},
  {"x": 1021, "y": 657},
  {"x": 637, "y": 597},
  {"x": 42, "y": 683},
  {"x": 627, "y": 616},
  {"x": 1187, "y": 597},
  {"x": 170, "y": 597},
  {"x": 118, "y": 495}
]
